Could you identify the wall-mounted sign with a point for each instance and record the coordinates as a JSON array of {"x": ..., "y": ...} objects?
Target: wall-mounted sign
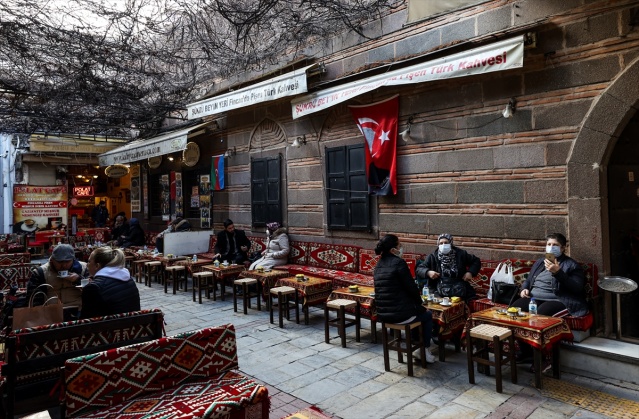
[
  {"x": 154, "y": 162},
  {"x": 116, "y": 171},
  {"x": 82, "y": 191},
  {"x": 191, "y": 155}
]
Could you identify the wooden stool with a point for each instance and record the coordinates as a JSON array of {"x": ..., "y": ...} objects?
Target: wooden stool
[
  {"x": 395, "y": 344},
  {"x": 203, "y": 281},
  {"x": 246, "y": 295},
  {"x": 128, "y": 260},
  {"x": 151, "y": 269},
  {"x": 283, "y": 303},
  {"x": 341, "y": 322},
  {"x": 175, "y": 274},
  {"x": 137, "y": 269},
  {"x": 497, "y": 335}
]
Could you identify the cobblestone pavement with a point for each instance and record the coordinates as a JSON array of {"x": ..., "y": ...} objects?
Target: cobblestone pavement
[{"x": 300, "y": 370}]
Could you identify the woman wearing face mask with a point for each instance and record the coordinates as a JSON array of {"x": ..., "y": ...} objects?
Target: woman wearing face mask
[
  {"x": 451, "y": 265},
  {"x": 277, "y": 247},
  {"x": 557, "y": 286},
  {"x": 396, "y": 296}
]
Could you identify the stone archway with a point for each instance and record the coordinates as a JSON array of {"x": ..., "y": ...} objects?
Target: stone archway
[{"x": 588, "y": 194}]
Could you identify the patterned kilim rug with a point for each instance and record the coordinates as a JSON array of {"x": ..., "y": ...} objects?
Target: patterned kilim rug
[
  {"x": 592, "y": 400},
  {"x": 309, "y": 413}
]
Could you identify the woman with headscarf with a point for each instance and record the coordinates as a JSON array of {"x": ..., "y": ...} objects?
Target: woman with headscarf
[
  {"x": 448, "y": 270},
  {"x": 277, "y": 247},
  {"x": 136, "y": 235}
]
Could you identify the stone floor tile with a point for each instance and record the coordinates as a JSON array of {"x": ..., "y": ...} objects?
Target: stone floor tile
[
  {"x": 355, "y": 375},
  {"x": 586, "y": 414},
  {"x": 413, "y": 411},
  {"x": 543, "y": 413},
  {"x": 452, "y": 410},
  {"x": 480, "y": 399},
  {"x": 367, "y": 389},
  {"x": 315, "y": 360},
  {"x": 308, "y": 380},
  {"x": 440, "y": 396},
  {"x": 384, "y": 403},
  {"x": 559, "y": 407},
  {"x": 320, "y": 391}
]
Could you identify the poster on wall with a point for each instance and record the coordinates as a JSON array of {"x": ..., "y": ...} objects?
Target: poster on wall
[
  {"x": 195, "y": 197},
  {"x": 205, "y": 201},
  {"x": 145, "y": 194},
  {"x": 179, "y": 200},
  {"x": 165, "y": 201},
  {"x": 39, "y": 207},
  {"x": 135, "y": 188}
]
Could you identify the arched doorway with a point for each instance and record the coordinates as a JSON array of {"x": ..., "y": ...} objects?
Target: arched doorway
[{"x": 597, "y": 146}]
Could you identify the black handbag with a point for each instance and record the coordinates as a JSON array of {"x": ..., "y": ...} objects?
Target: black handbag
[
  {"x": 504, "y": 293},
  {"x": 449, "y": 287}
]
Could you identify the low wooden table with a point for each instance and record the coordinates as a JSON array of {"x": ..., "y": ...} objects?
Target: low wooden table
[
  {"x": 543, "y": 333},
  {"x": 365, "y": 298},
  {"x": 314, "y": 291},
  {"x": 266, "y": 279},
  {"x": 221, "y": 274},
  {"x": 451, "y": 320}
]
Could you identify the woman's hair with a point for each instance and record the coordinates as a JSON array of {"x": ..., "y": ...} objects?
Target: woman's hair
[
  {"x": 105, "y": 256},
  {"x": 559, "y": 237},
  {"x": 387, "y": 243}
]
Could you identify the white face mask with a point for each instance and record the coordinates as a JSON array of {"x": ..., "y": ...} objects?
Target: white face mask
[
  {"x": 554, "y": 249},
  {"x": 444, "y": 248},
  {"x": 398, "y": 252}
]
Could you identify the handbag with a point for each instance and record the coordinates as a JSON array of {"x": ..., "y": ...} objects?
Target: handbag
[
  {"x": 503, "y": 293},
  {"x": 450, "y": 287},
  {"x": 503, "y": 274},
  {"x": 31, "y": 316}
]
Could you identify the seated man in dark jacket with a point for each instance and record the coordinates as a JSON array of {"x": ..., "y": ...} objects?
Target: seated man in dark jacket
[
  {"x": 232, "y": 245},
  {"x": 136, "y": 235},
  {"x": 177, "y": 225}
]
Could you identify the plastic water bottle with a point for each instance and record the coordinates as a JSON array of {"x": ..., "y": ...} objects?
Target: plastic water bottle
[
  {"x": 145, "y": 248},
  {"x": 425, "y": 293},
  {"x": 532, "y": 307},
  {"x": 194, "y": 258}
]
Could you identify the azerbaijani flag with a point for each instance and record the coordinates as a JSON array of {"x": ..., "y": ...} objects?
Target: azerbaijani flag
[{"x": 217, "y": 172}]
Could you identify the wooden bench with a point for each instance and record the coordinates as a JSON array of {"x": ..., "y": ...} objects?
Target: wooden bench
[
  {"x": 158, "y": 378},
  {"x": 34, "y": 356}
]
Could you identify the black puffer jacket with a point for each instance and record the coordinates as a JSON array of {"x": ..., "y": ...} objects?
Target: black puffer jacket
[
  {"x": 396, "y": 295},
  {"x": 104, "y": 296},
  {"x": 568, "y": 284}
]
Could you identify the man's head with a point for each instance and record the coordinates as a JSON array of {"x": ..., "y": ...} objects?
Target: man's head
[
  {"x": 103, "y": 203},
  {"x": 228, "y": 225},
  {"x": 119, "y": 220},
  {"x": 62, "y": 257}
]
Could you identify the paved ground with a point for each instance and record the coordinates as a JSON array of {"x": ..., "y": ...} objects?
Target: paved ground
[{"x": 301, "y": 370}]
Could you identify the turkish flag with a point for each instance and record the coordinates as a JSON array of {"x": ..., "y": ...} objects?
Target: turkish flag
[{"x": 378, "y": 123}]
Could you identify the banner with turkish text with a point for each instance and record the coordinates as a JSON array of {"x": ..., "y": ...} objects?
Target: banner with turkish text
[
  {"x": 378, "y": 123},
  {"x": 39, "y": 207},
  {"x": 217, "y": 172}
]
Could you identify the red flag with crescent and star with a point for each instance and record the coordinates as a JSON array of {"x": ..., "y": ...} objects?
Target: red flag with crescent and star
[{"x": 378, "y": 123}]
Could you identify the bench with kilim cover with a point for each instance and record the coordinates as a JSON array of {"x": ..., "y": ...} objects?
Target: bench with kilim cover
[{"x": 187, "y": 375}]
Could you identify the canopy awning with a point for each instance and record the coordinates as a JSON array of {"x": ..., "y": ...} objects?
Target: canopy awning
[
  {"x": 168, "y": 143},
  {"x": 288, "y": 84},
  {"x": 498, "y": 56}
]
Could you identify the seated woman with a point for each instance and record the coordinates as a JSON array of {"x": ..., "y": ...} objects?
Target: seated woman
[
  {"x": 277, "y": 248},
  {"x": 396, "y": 296},
  {"x": 135, "y": 237},
  {"x": 448, "y": 269},
  {"x": 111, "y": 289}
]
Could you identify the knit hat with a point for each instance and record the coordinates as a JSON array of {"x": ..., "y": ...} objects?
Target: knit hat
[
  {"x": 445, "y": 236},
  {"x": 63, "y": 253}
]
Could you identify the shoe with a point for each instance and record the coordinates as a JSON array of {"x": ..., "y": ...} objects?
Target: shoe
[
  {"x": 546, "y": 366},
  {"x": 430, "y": 358},
  {"x": 435, "y": 340}
]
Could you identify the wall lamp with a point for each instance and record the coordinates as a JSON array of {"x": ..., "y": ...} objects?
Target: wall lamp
[
  {"x": 405, "y": 135},
  {"x": 170, "y": 158},
  {"x": 230, "y": 152},
  {"x": 510, "y": 108},
  {"x": 297, "y": 143}
]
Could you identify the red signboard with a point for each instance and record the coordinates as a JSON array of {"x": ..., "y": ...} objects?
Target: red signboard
[{"x": 83, "y": 191}]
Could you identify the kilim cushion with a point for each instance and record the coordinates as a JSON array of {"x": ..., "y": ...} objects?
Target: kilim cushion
[
  {"x": 333, "y": 256},
  {"x": 186, "y": 364},
  {"x": 14, "y": 258},
  {"x": 17, "y": 274},
  {"x": 368, "y": 259},
  {"x": 258, "y": 244},
  {"x": 298, "y": 252}
]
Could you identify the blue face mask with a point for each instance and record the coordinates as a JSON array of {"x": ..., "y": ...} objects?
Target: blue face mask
[
  {"x": 444, "y": 248},
  {"x": 554, "y": 249}
]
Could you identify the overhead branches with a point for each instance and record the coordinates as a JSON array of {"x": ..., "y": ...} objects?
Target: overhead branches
[{"x": 103, "y": 67}]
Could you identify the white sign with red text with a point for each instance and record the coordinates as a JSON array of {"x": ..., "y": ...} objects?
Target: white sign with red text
[{"x": 499, "y": 56}]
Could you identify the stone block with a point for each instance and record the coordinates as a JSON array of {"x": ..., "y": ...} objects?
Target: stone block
[
  {"x": 450, "y": 95},
  {"x": 494, "y": 20},
  {"x": 461, "y": 160},
  {"x": 625, "y": 88},
  {"x": 592, "y": 29},
  {"x": 355, "y": 62},
  {"x": 571, "y": 75},
  {"x": 419, "y": 163},
  {"x": 334, "y": 70},
  {"x": 439, "y": 193},
  {"x": 458, "y": 31},
  {"x": 583, "y": 181},
  {"x": 417, "y": 44},
  {"x": 555, "y": 225},
  {"x": 518, "y": 156},
  {"x": 450, "y": 129},
  {"x": 403, "y": 223},
  {"x": 528, "y": 11},
  {"x": 585, "y": 235},
  {"x": 503, "y": 87},
  {"x": 545, "y": 191},
  {"x": 305, "y": 197},
  {"x": 564, "y": 114},
  {"x": 610, "y": 115},
  {"x": 549, "y": 40},
  {"x": 467, "y": 225},
  {"x": 590, "y": 147},
  {"x": 495, "y": 124},
  {"x": 383, "y": 53},
  {"x": 511, "y": 192},
  {"x": 524, "y": 227}
]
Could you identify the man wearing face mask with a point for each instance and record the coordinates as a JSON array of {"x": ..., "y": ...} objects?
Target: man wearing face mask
[{"x": 448, "y": 269}]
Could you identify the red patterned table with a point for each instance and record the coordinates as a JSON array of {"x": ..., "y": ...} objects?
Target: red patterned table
[
  {"x": 267, "y": 280},
  {"x": 365, "y": 298},
  {"x": 543, "y": 333},
  {"x": 451, "y": 320},
  {"x": 221, "y": 274},
  {"x": 314, "y": 291}
]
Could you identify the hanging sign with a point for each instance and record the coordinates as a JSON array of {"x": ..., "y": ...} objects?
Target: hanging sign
[
  {"x": 116, "y": 171},
  {"x": 191, "y": 155},
  {"x": 81, "y": 191},
  {"x": 155, "y": 162}
]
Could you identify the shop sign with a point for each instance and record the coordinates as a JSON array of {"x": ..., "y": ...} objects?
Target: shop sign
[
  {"x": 191, "y": 155},
  {"x": 81, "y": 191},
  {"x": 155, "y": 162},
  {"x": 39, "y": 207},
  {"x": 116, "y": 171}
]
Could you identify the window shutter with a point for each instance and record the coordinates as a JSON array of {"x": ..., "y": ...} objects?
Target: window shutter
[{"x": 258, "y": 191}]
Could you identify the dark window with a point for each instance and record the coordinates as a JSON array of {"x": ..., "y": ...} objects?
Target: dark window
[
  {"x": 347, "y": 195},
  {"x": 155, "y": 195},
  {"x": 189, "y": 180},
  {"x": 266, "y": 197}
]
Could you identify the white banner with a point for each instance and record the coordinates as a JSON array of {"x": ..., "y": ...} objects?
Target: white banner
[
  {"x": 503, "y": 55},
  {"x": 288, "y": 84}
]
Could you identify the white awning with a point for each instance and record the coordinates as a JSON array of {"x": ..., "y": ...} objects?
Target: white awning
[
  {"x": 499, "y": 56},
  {"x": 288, "y": 84},
  {"x": 149, "y": 147}
]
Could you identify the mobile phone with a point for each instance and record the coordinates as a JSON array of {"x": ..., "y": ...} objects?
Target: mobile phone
[{"x": 551, "y": 257}]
